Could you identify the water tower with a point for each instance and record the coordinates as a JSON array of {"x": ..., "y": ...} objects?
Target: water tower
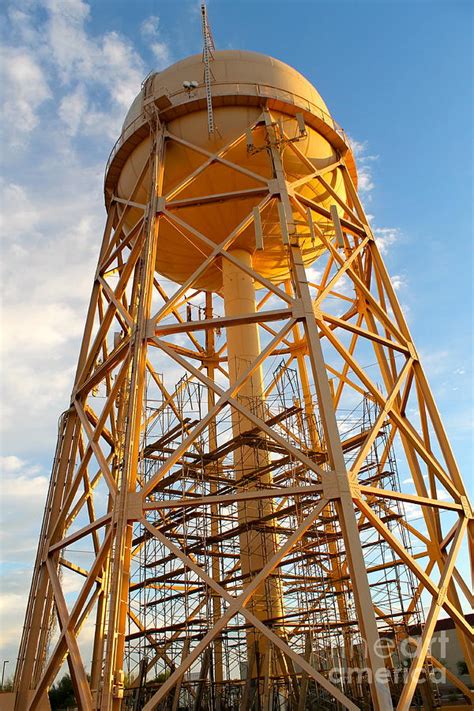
[{"x": 226, "y": 525}]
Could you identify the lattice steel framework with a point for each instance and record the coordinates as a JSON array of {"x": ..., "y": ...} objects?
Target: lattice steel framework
[{"x": 167, "y": 468}]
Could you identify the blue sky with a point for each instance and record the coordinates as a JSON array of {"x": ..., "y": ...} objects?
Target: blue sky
[{"x": 397, "y": 76}]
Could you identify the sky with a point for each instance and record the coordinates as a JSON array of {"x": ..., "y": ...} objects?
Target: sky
[{"x": 397, "y": 76}]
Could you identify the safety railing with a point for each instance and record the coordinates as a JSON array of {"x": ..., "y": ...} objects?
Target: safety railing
[{"x": 297, "y": 100}]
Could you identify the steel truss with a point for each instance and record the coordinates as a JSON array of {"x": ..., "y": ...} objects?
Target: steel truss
[{"x": 146, "y": 507}]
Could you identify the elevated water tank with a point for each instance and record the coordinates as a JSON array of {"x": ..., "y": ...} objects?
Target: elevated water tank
[{"x": 243, "y": 84}]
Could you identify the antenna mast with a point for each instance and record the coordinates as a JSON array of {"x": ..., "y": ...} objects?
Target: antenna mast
[{"x": 207, "y": 57}]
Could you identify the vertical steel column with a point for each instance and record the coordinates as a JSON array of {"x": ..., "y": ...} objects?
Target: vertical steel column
[
  {"x": 215, "y": 564},
  {"x": 112, "y": 691},
  {"x": 343, "y": 501}
]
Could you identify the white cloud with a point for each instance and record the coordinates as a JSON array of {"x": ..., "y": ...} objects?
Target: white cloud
[
  {"x": 71, "y": 582},
  {"x": 364, "y": 162},
  {"x": 24, "y": 90},
  {"x": 13, "y": 597},
  {"x": 149, "y": 26},
  {"x": 11, "y": 463},
  {"x": 58, "y": 320},
  {"x": 23, "y": 487},
  {"x": 108, "y": 60},
  {"x": 123, "y": 69},
  {"x": 161, "y": 53},
  {"x": 72, "y": 108},
  {"x": 17, "y": 214},
  {"x": 51, "y": 205},
  {"x": 398, "y": 281},
  {"x": 150, "y": 32},
  {"x": 47, "y": 269},
  {"x": 67, "y": 39},
  {"x": 86, "y": 63},
  {"x": 365, "y": 180},
  {"x": 314, "y": 274},
  {"x": 79, "y": 65},
  {"x": 385, "y": 237}
]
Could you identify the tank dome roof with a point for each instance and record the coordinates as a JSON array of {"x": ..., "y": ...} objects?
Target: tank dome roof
[{"x": 233, "y": 71}]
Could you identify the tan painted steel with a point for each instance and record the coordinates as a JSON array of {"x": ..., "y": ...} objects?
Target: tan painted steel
[
  {"x": 239, "y": 79},
  {"x": 258, "y": 517}
]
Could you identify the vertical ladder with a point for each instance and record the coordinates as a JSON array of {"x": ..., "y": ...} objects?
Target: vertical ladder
[{"x": 207, "y": 57}]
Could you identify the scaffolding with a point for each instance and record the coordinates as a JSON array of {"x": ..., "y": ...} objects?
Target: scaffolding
[{"x": 173, "y": 604}]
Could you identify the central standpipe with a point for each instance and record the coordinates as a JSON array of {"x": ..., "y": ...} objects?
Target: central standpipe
[{"x": 258, "y": 542}]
